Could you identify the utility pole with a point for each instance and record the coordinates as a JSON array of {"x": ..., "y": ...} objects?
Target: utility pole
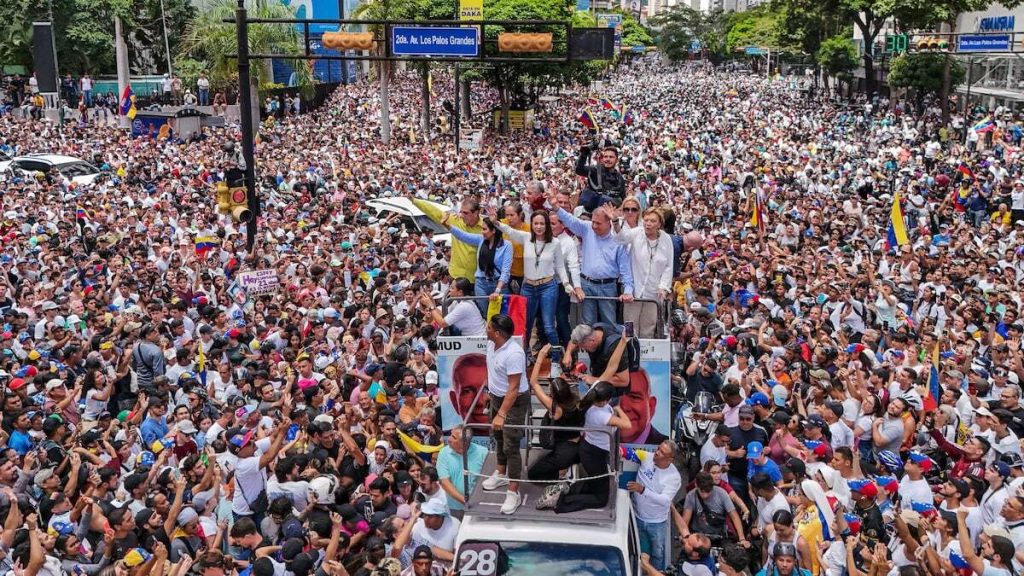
[
  {"x": 248, "y": 135},
  {"x": 167, "y": 43},
  {"x": 123, "y": 77}
]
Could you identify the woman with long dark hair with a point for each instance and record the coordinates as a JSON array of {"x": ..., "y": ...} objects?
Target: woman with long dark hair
[
  {"x": 563, "y": 406},
  {"x": 493, "y": 259},
  {"x": 594, "y": 450},
  {"x": 544, "y": 271}
]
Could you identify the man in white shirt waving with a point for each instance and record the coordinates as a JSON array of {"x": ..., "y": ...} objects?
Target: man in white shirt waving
[{"x": 656, "y": 485}]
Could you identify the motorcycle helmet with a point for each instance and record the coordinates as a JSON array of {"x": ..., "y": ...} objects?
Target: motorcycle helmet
[
  {"x": 322, "y": 488},
  {"x": 890, "y": 460}
]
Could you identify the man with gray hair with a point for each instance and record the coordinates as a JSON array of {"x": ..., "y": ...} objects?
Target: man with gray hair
[
  {"x": 535, "y": 198},
  {"x": 657, "y": 482},
  {"x": 599, "y": 342},
  {"x": 604, "y": 264}
]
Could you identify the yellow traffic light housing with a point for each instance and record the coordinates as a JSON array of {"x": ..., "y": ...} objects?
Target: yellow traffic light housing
[
  {"x": 239, "y": 204},
  {"x": 525, "y": 42},
  {"x": 223, "y": 198},
  {"x": 348, "y": 40}
]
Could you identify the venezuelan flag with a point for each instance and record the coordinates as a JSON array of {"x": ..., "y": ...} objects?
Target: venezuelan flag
[
  {"x": 202, "y": 364},
  {"x": 986, "y": 125},
  {"x": 588, "y": 119},
  {"x": 423, "y": 450},
  {"x": 607, "y": 104},
  {"x": 931, "y": 401},
  {"x": 80, "y": 214},
  {"x": 757, "y": 215},
  {"x": 206, "y": 243},
  {"x": 128, "y": 103},
  {"x": 591, "y": 101},
  {"x": 897, "y": 224},
  {"x": 512, "y": 305},
  {"x": 628, "y": 116}
]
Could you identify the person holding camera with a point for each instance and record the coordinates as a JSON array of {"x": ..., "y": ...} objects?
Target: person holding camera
[{"x": 604, "y": 181}]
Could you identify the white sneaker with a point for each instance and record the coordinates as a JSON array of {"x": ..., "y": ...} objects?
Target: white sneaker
[
  {"x": 512, "y": 502},
  {"x": 495, "y": 481}
]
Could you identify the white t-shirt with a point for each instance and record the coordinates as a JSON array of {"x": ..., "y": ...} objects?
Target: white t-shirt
[
  {"x": 660, "y": 487},
  {"x": 443, "y": 537},
  {"x": 250, "y": 480},
  {"x": 598, "y": 416},
  {"x": 915, "y": 491},
  {"x": 842, "y": 435},
  {"x": 503, "y": 362},
  {"x": 465, "y": 316},
  {"x": 709, "y": 452},
  {"x": 93, "y": 407},
  {"x": 767, "y": 508}
]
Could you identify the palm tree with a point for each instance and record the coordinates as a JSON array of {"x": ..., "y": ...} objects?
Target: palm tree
[
  {"x": 210, "y": 39},
  {"x": 385, "y": 10}
]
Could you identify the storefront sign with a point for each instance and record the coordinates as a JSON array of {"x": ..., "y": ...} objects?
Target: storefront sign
[{"x": 996, "y": 24}]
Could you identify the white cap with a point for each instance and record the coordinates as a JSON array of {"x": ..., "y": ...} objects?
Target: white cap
[{"x": 430, "y": 377}]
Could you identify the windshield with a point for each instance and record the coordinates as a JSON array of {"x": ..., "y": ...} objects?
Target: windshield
[
  {"x": 549, "y": 559},
  {"x": 425, "y": 223},
  {"x": 72, "y": 169}
]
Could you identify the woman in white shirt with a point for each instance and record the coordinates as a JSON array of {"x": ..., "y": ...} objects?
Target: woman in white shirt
[
  {"x": 544, "y": 272},
  {"x": 650, "y": 254},
  {"x": 594, "y": 450}
]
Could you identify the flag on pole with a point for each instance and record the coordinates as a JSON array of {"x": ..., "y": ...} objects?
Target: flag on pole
[
  {"x": 628, "y": 116},
  {"x": 80, "y": 214},
  {"x": 757, "y": 215},
  {"x": 202, "y": 364},
  {"x": 128, "y": 103},
  {"x": 965, "y": 170},
  {"x": 206, "y": 243},
  {"x": 592, "y": 101},
  {"x": 588, "y": 119},
  {"x": 607, "y": 104},
  {"x": 931, "y": 401},
  {"x": 986, "y": 125},
  {"x": 897, "y": 224}
]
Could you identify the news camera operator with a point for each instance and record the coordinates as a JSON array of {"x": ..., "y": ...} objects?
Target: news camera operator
[{"x": 604, "y": 181}]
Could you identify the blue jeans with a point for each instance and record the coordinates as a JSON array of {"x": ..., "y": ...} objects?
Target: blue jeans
[
  {"x": 485, "y": 287},
  {"x": 204, "y": 97},
  {"x": 542, "y": 298},
  {"x": 87, "y": 96},
  {"x": 562, "y": 317},
  {"x": 654, "y": 541},
  {"x": 594, "y": 311}
]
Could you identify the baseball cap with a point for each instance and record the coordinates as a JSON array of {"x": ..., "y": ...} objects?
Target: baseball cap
[
  {"x": 921, "y": 460},
  {"x": 423, "y": 552},
  {"x": 1002, "y": 468},
  {"x": 241, "y": 438},
  {"x": 435, "y": 507},
  {"x": 1012, "y": 459},
  {"x": 754, "y": 450},
  {"x": 815, "y": 420},
  {"x": 746, "y": 410},
  {"x": 864, "y": 487},
  {"x": 430, "y": 377},
  {"x": 759, "y": 399}
]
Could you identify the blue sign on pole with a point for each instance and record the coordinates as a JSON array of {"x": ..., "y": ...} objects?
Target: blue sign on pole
[
  {"x": 754, "y": 51},
  {"x": 694, "y": 45},
  {"x": 984, "y": 43},
  {"x": 434, "y": 41}
]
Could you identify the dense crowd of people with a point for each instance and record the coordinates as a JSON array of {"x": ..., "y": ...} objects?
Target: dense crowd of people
[{"x": 157, "y": 419}]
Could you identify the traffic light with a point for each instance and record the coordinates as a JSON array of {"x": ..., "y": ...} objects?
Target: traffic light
[
  {"x": 895, "y": 43},
  {"x": 525, "y": 42},
  {"x": 348, "y": 40},
  {"x": 931, "y": 44},
  {"x": 233, "y": 197}
]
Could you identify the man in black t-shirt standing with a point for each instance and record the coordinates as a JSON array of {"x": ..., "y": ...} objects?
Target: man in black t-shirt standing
[{"x": 736, "y": 455}]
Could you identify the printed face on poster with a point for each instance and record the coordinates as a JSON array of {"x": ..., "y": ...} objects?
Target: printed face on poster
[
  {"x": 462, "y": 373},
  {"x": 648, "y": 402}
]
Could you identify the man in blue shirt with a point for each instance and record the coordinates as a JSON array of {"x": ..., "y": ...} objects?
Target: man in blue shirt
[
  {"x": 20, "y": 441},
  {"x": 759, "y": 462},
  {"x": 450, "y": 467},
  {"x": 603, "y": 264},
  {"x": 154, "y": 427}
]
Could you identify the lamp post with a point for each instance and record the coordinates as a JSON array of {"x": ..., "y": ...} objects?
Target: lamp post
[{"x": 248, "y": 133}]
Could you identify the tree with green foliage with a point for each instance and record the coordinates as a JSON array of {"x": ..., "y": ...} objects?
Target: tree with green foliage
[
  {"x": 680, "y": 25},
  {"x": 837, "y": 56},
  {"x": 805, "y": 24},
  {"x": 868, "y": 16},
  {"x": 760, "y": 26},
  {"x": 84, "y": 32},
  {"x": 922, "y": 74}
]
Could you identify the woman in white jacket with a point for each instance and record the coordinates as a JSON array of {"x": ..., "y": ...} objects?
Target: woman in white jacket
[{"x": 650, "y": 254}]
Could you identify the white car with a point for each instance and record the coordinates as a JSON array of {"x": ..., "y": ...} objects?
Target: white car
[
  {"x": 77, "y": 170},
  {"x": 411, "y": 216}
]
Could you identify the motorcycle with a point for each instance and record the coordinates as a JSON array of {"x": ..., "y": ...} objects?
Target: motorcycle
[{"x": 692, "y": 433}]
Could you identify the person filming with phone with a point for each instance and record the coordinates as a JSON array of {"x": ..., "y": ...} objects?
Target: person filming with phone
[{"x": 604, "y": 182}]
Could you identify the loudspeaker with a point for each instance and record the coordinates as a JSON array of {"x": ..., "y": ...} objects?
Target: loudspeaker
[
  {"x": 44, "y": 56},
  {"x": 592, "y": 44}
]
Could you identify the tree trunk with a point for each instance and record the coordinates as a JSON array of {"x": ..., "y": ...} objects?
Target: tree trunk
[
  {"x": 870, "y": 85},
  {"x": 385, "y": 103},
  {"x": 425, "y": 96},
  {"x": 464, "y": 103},
  {"x": 506, "y": 105}
]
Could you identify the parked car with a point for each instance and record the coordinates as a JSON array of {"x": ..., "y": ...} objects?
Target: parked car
[{"x": 77, "y": 170}]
